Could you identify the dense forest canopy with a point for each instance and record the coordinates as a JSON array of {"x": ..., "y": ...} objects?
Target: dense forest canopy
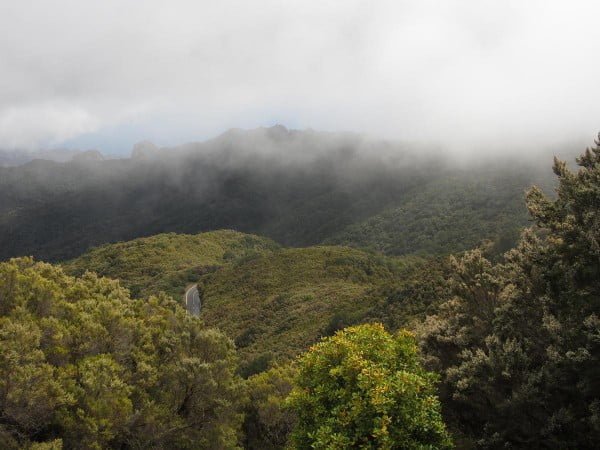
[
  {"x": 296, "y": 187},
  {"x": 168, "y": 262}
]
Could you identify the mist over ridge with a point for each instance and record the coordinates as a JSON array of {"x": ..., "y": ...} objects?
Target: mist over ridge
[
  {"x": 296, "y": 187},
  {"x": 295, "y": 146}
]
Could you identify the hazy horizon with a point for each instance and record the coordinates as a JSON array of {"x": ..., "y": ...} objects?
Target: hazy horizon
[{"x": 313, "y": 143}]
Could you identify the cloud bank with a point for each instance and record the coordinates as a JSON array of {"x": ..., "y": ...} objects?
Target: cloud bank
[{"x": 470, "y": 74}]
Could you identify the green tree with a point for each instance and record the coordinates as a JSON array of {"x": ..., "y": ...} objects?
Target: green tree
[
  {"x": 518, "y": 343},
  {"x": 365, "y": 388},
  {"x": 268, "y": 421},
  {"x": 82, "y": 365}
]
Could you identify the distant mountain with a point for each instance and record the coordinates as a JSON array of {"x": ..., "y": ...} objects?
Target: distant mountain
[
  {"x": 12, "y": 158},
  {"x": 296, "y": 187},
  {"x": 88, "y": 155},
  {"x": 145, "y": 150}
]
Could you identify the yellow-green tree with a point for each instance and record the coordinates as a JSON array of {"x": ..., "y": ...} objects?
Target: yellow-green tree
[
  {"x": 365, "y": 388},
  {"x": 82, "y": 365}
]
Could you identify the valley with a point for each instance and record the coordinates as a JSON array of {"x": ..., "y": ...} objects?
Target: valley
[
  {"x": 299, "y": 225},
  {"x": 303, "y": 258}
]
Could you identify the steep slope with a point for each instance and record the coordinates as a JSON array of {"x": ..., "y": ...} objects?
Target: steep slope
[
  {"x": 167, "y": 262},
  {"x": 274, "y": 302},
  {"x": 450, "y": 214},
  {"x": 276, "y": 305}
]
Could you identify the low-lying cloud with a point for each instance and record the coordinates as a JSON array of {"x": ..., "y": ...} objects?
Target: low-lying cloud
[{"x": 470, "y": 74}]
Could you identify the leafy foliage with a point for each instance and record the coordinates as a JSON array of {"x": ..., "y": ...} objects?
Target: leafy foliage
[
  {"x": 268, "y": 421},
  {"x": 84, "y": 366},
  {"x": 275, "y": 306},
  {"x": 449, "y": 214},
  {"x": 274, "y": 302},
  {"x": 518, "y": 343},
  {"x": 167, "y": 262},
  {"x": 364, "y": 388}
]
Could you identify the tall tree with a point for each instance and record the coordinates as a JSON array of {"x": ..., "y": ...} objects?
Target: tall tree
[{"x": 518, "y": 343}]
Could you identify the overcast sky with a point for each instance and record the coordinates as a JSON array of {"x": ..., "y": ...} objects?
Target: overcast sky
[{"x": 106, "y": 74}]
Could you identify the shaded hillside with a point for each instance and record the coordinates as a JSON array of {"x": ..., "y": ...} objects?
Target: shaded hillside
[
  {"x": 275, "y": 306},
  {"x": 298, "y": 188},
  {"x": 167, "y": 262},
  {"x": 450, "y": 214}
]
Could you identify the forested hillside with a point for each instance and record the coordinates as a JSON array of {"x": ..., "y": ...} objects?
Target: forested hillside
[
  {"x": 450, "y": 213},
  {"x": 275, "y": 306},
  {"x": 273, "y": 301},
  {"x": 168, "y": 262},
  {"x": 297, "y": 188}
]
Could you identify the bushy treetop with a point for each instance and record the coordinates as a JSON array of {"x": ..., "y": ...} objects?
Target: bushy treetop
[
  {"x": 365, "y": 388},
  {"x": 83, "y": 364}
]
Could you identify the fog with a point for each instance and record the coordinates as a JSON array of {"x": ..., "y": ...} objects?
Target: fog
[{"x": 485, "y": 76}]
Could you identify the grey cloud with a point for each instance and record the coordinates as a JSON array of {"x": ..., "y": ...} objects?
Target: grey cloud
[{"x": 470, "y": 74}]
